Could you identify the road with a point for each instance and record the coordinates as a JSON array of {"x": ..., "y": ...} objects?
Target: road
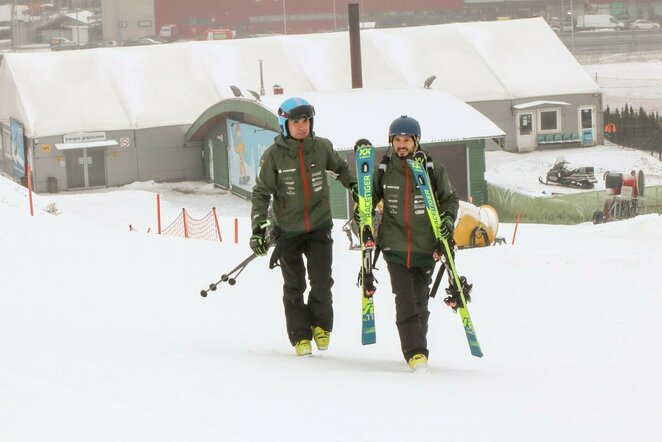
[{"x": 612, "y": 42}]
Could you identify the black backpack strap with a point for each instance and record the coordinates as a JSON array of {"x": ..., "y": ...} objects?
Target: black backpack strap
[{"x": 383, "y": 164}]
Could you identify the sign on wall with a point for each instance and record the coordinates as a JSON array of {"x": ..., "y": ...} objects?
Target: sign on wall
[
  {"x": 17, "y": 148},
  {"x": 246, "y": 144},
  {"x": 84, "y": 137}
]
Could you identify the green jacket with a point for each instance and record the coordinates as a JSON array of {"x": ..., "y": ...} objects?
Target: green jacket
[
  {"x": 405, "y": 234},
  {"x": 294, "y": 172}
]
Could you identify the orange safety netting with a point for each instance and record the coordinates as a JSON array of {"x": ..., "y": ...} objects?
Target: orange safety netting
[{"x": 187, "y": 227}]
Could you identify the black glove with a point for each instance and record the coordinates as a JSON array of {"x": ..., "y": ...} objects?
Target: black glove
[
  {"x": 447, "y": 226},
  {"x": 258, "y": 241},
  {"x": 354, "y": 188}
]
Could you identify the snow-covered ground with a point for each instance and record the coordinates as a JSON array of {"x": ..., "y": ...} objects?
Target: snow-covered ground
[
  {"x": 520, "y": 172},
  {"x": 634, "y": 79},
  {"x": 104, "y": 336}
]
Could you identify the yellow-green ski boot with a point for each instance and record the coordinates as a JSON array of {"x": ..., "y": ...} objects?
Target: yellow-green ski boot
[
  {"x": 322, "y": 338},
  {"x": 303, "y": 347},
  {"x": 418, "y": 363}
]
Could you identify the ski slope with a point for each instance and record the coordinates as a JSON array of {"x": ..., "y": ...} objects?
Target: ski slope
[{"x": 104, "y": 336}]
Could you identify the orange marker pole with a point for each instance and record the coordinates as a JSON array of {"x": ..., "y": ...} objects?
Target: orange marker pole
[
  {"x": 158, "y": 211},
  {"x": 515, "y": 232}
]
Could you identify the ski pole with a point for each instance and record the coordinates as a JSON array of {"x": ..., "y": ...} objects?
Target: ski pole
[
  {"x": 232, "y": 275},
  {"x": 228, "y": 277},
  {"x": 437, "y": 280}
]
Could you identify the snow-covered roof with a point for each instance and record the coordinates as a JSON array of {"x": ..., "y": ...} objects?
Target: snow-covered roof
[
  {"x": 82, "y": 16},
  {"x": 539, "y": 103},
  {"x": 171, "y": 84},
  {"x": 443, "y": 118}
]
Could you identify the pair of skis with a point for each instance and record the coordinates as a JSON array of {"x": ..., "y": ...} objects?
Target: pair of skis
[
  {"x": 364, "y": 156},
  {"x": 458, "y": 284}
]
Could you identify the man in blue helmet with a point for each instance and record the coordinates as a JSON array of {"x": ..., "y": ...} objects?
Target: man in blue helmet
[
  {"x": 405, "y": 235},
  {"x": 293, "y": 173}
]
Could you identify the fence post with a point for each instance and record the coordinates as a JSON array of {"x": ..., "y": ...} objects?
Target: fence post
[
  {"x": 218, "y": 229},
  {"x": 236, "y": 231},
  {"x": 158, "y": 211},
  {"x": 184, "y": 221}
]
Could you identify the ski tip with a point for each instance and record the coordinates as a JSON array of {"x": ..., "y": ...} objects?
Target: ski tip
[{"x": 362, "y": 142}]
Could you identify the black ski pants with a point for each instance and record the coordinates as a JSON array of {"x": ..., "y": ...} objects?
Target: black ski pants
[
  {"x": 317, "y": 247},
  {"x": 411, "y": 287}
]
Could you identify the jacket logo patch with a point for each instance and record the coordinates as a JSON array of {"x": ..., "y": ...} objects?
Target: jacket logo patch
[{"x": 286, "y": 170}]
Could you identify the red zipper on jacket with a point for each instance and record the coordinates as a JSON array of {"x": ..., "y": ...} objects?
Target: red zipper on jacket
[
  {"x": 406, "y": 208},
  {"x": 305, "y": 186}
]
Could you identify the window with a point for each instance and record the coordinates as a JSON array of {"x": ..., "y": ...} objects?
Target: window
[
  {"x": 587, "y": 118},
  {"x": 144, "y": 23},
  {"x": 525, "y": 124},
  {"x": 549, "y": 121}
]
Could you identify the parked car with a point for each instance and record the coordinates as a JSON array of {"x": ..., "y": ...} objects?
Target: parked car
[
  {"x": 65, "y": 46},
  {"x": 592, "y": 22},
  {"x": 643, "y": 24},
  {"x": 55, "y": 41},
  {"x": 625, "y": 19},
  {"x": 168, "y": 33},
  {"x": 141, "y": 42},
  {"x": 91, "y": 45}
]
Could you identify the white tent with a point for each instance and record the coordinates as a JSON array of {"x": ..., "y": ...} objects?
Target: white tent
[{"x": 153, "y": 86}]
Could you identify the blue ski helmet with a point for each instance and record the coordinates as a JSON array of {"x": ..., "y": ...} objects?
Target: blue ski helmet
[
  {"x": 294, "y": 108},
  {"x": 405, "y": 126}
]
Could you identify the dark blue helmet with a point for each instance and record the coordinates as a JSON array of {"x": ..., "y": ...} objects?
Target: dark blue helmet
[
  {"x": 405, "y": 126},
  {"x": 294, "y": 108}
]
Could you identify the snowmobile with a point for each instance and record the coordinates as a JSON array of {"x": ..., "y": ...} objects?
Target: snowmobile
[{"x": 559, "y": 175}]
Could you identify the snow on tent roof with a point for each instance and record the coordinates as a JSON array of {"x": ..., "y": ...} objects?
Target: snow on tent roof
[
  {"x": 443, "y": 118},
  {"x": 172, "y": 84}
]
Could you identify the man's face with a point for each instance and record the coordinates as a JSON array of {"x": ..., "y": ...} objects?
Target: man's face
[
  {"x": 299, "y": 129},
  {"x": 403, "y": 145}
]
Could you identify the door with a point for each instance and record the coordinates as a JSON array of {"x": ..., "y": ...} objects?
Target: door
[
  {"x": 75, "y": 161},
  {"x": 95, "y": 162},
  {"x": 526, "y": 134},
  {"x": 85, "y": 168},
  {"x": 587, "y": 125},
  {"x": 221, "y": 166},
  {"x": 210, "y": 158}
]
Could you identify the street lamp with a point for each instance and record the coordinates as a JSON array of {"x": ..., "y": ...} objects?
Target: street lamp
[
  {"x": 335, "y": 23},
  {"x": 261, "y": 79},
  {"x": 572, "y": 27},
  {"x": 284, "y": 19}
]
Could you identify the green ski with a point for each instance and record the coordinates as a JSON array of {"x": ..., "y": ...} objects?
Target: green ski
[
  {"x": 365, "y": 156},
  {"x": 458, "y": 284}
]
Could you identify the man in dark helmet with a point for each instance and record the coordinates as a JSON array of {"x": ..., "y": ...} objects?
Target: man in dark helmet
[
  {"x": 406, "y": 237},
  {"x": 293, "y": 172}
]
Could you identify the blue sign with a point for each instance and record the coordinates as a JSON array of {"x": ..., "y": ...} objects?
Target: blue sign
[
  {"x": 17, "y": 148},
  {"x": 246, "y": 144}
]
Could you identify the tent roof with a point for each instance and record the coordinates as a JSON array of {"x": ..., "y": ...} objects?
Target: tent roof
[
  {"x": 172, "y": 84},
  {"x": 443, "y": 118}
]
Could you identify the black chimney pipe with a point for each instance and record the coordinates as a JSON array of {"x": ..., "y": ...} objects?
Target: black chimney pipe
[{"x": 355, "y": 45}]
